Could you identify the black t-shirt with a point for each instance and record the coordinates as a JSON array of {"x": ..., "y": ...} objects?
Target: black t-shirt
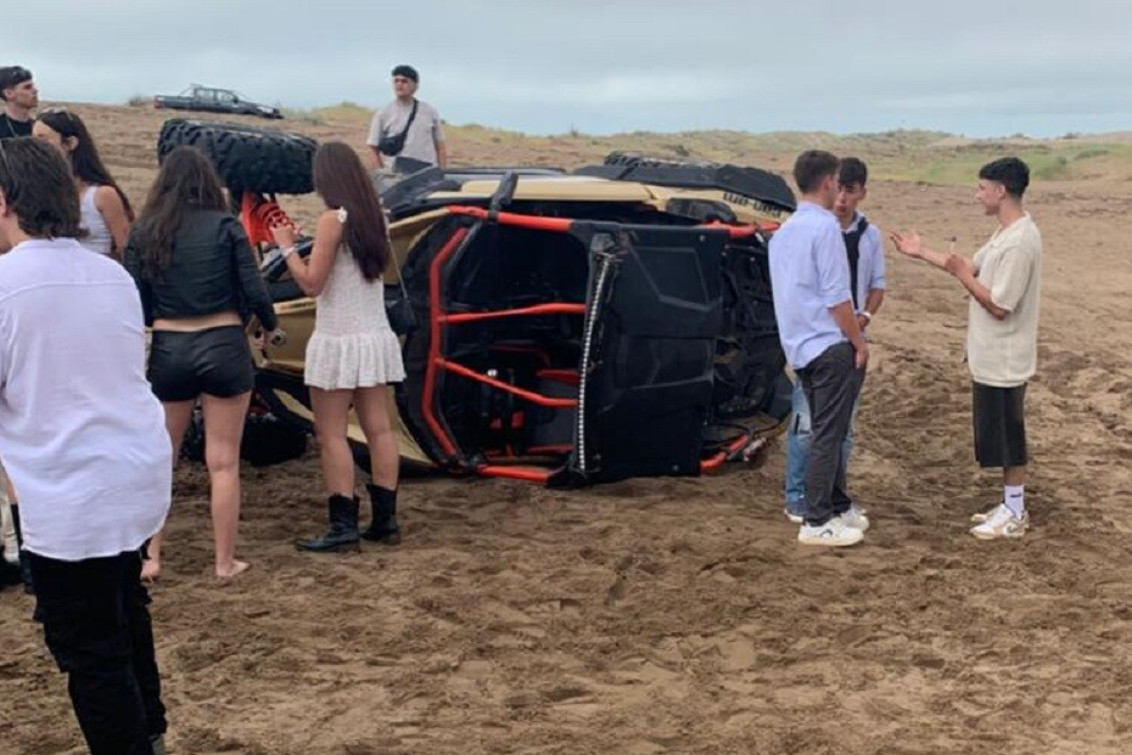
[{"x": 11, "y": 128}]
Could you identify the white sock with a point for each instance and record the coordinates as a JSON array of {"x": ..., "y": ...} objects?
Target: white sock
[{"x": 1015, "y": 500}]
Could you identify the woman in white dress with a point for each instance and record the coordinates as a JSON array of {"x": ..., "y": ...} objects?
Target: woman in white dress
[
  {"x": 106, "y": 212},
  {"x": 353, "y": 355}
]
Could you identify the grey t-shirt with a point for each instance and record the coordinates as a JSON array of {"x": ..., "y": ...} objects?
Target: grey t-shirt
[{"x": 423, "y": 136}]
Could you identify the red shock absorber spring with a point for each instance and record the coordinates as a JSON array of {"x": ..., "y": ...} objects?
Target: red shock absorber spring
[{"x": 258, "y": 215}]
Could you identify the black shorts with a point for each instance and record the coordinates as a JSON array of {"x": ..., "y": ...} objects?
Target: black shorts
[
  {"x": 1000, "y": 425},
  {"x": 216, "y": 361}
]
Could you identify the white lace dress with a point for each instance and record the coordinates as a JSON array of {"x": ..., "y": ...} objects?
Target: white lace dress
[{"x": 352, "y": 345}]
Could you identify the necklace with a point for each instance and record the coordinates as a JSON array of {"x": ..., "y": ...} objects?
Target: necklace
[{"x": 11, "y": 130}]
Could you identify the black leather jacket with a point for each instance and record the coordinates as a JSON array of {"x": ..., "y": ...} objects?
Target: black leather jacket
[{"x": 213, "y": 270}]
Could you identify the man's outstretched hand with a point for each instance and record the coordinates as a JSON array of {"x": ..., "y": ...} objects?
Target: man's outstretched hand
[{"x": 908, "y": 244}]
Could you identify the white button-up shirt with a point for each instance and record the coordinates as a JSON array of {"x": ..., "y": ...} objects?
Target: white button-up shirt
[{"x": 809, "y": 274}]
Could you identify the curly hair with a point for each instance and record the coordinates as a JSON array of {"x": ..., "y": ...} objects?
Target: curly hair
[{"x": 37, "y": 185}]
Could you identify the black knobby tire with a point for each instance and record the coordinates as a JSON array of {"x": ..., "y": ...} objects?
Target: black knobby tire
[{"x": 248, "y": 158}]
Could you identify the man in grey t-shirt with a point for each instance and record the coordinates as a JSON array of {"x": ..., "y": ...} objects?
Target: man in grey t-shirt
[{"x": 424, "y": 140}]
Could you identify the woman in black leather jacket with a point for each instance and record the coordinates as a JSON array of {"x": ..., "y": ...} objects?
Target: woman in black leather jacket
[{"x": 198, "y": 276}]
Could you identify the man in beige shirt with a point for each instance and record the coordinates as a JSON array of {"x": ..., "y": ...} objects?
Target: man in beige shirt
[
  {"x": 407, "y": 131},
  {"x": 1004, "y": 281}
]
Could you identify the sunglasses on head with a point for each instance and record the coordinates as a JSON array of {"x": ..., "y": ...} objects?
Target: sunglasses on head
[
  {"x": 14, "y": 76},
  {"x": 57, "y": 111}
]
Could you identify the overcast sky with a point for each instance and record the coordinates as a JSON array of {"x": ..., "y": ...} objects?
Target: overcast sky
[{"x": 976, "y": 67}]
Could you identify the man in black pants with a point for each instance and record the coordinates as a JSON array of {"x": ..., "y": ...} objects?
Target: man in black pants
[
  {"x": 84, "y": 441},
  {"x": 809, "y": 271}
]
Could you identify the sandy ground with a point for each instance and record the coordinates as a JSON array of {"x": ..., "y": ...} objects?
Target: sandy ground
[{"x": 680, "y": 615}]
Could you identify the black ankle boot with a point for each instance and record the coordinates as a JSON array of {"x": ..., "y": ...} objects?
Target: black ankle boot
[
  {"x": 343, "y": 532},
  {"x": 383, "y": 528},
  {"x": 25, "y": 565}
]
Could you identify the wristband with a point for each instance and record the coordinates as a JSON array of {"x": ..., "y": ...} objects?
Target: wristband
[{"x": 864, "y": 313}]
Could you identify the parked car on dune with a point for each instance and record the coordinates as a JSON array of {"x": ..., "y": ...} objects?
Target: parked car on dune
[{"x": 213, "y": 100}]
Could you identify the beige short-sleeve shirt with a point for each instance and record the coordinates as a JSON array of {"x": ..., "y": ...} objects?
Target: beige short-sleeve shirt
[
  {"x": 423, "y": 135},
  {"x": 1004, "y": 353}
]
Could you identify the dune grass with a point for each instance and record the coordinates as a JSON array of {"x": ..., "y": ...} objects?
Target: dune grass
[{"x": 902, "y": 155}]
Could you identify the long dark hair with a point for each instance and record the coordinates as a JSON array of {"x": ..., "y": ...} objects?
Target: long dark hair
[
  {"x": 85, "y": 161},
  {"x": 342, "y": 182},
  {"x": 186, "y": 181}
]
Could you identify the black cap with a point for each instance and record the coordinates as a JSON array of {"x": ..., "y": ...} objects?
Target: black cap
[
  {"x": 11, "y": 76},
  {"x": 408, "y": 72}
]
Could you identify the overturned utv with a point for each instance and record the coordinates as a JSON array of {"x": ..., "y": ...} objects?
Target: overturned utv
[{"x": 563, "y": 328}]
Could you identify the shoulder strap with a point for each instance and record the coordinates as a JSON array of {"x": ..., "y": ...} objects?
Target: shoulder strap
[
  {"x": 393, "y": 254},
  {"x": 412, "y": 117}
]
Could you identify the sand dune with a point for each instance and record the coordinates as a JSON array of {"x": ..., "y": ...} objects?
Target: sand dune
[{"x": 679, "y": 615}]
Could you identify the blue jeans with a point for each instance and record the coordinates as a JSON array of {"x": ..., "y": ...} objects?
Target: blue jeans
[{"x": 798, "y": 449}]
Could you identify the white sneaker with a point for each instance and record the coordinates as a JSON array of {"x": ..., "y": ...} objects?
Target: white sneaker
[
  {"x": 855, "y": 518},
  {"x": 834, "y": 533},
  {"x": 1000, "y": 522},
  {"x": 794, "y": 518},
  {"x": 981, "y": 517}
]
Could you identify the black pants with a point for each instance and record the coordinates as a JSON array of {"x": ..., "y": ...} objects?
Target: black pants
[
  {"x": 831, "y": 383},
  {"x": 96, "y": 624}
]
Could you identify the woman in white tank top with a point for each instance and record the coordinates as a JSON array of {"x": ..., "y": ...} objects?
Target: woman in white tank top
[
  {"x": 99, "y": 238},
  {"x": 106, "y": 213}
]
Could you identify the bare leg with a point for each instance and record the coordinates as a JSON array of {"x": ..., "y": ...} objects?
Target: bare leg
[
  {"x": 331, "y": 415},
  {"x": 9, "y": 548},
  {"x": 223, "y": 428},
  {"x": 1014, "y": 476},
  {"x": 372, "y": 407},
  {"x": 178, "y": 415}
]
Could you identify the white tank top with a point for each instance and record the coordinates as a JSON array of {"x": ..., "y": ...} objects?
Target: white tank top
[{"x": 98, "y": 238}]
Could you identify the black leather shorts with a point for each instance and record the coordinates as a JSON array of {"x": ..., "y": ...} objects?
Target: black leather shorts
[{"x": 216, "y": 361}]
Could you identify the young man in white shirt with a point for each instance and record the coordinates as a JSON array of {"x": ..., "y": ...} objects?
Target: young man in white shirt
[
  {"x": 864, "y": 246},
  {"x": 817, "y": 325},
  {"x": 84, "y": 442},
  {"x": 1004, "y": 282}
]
